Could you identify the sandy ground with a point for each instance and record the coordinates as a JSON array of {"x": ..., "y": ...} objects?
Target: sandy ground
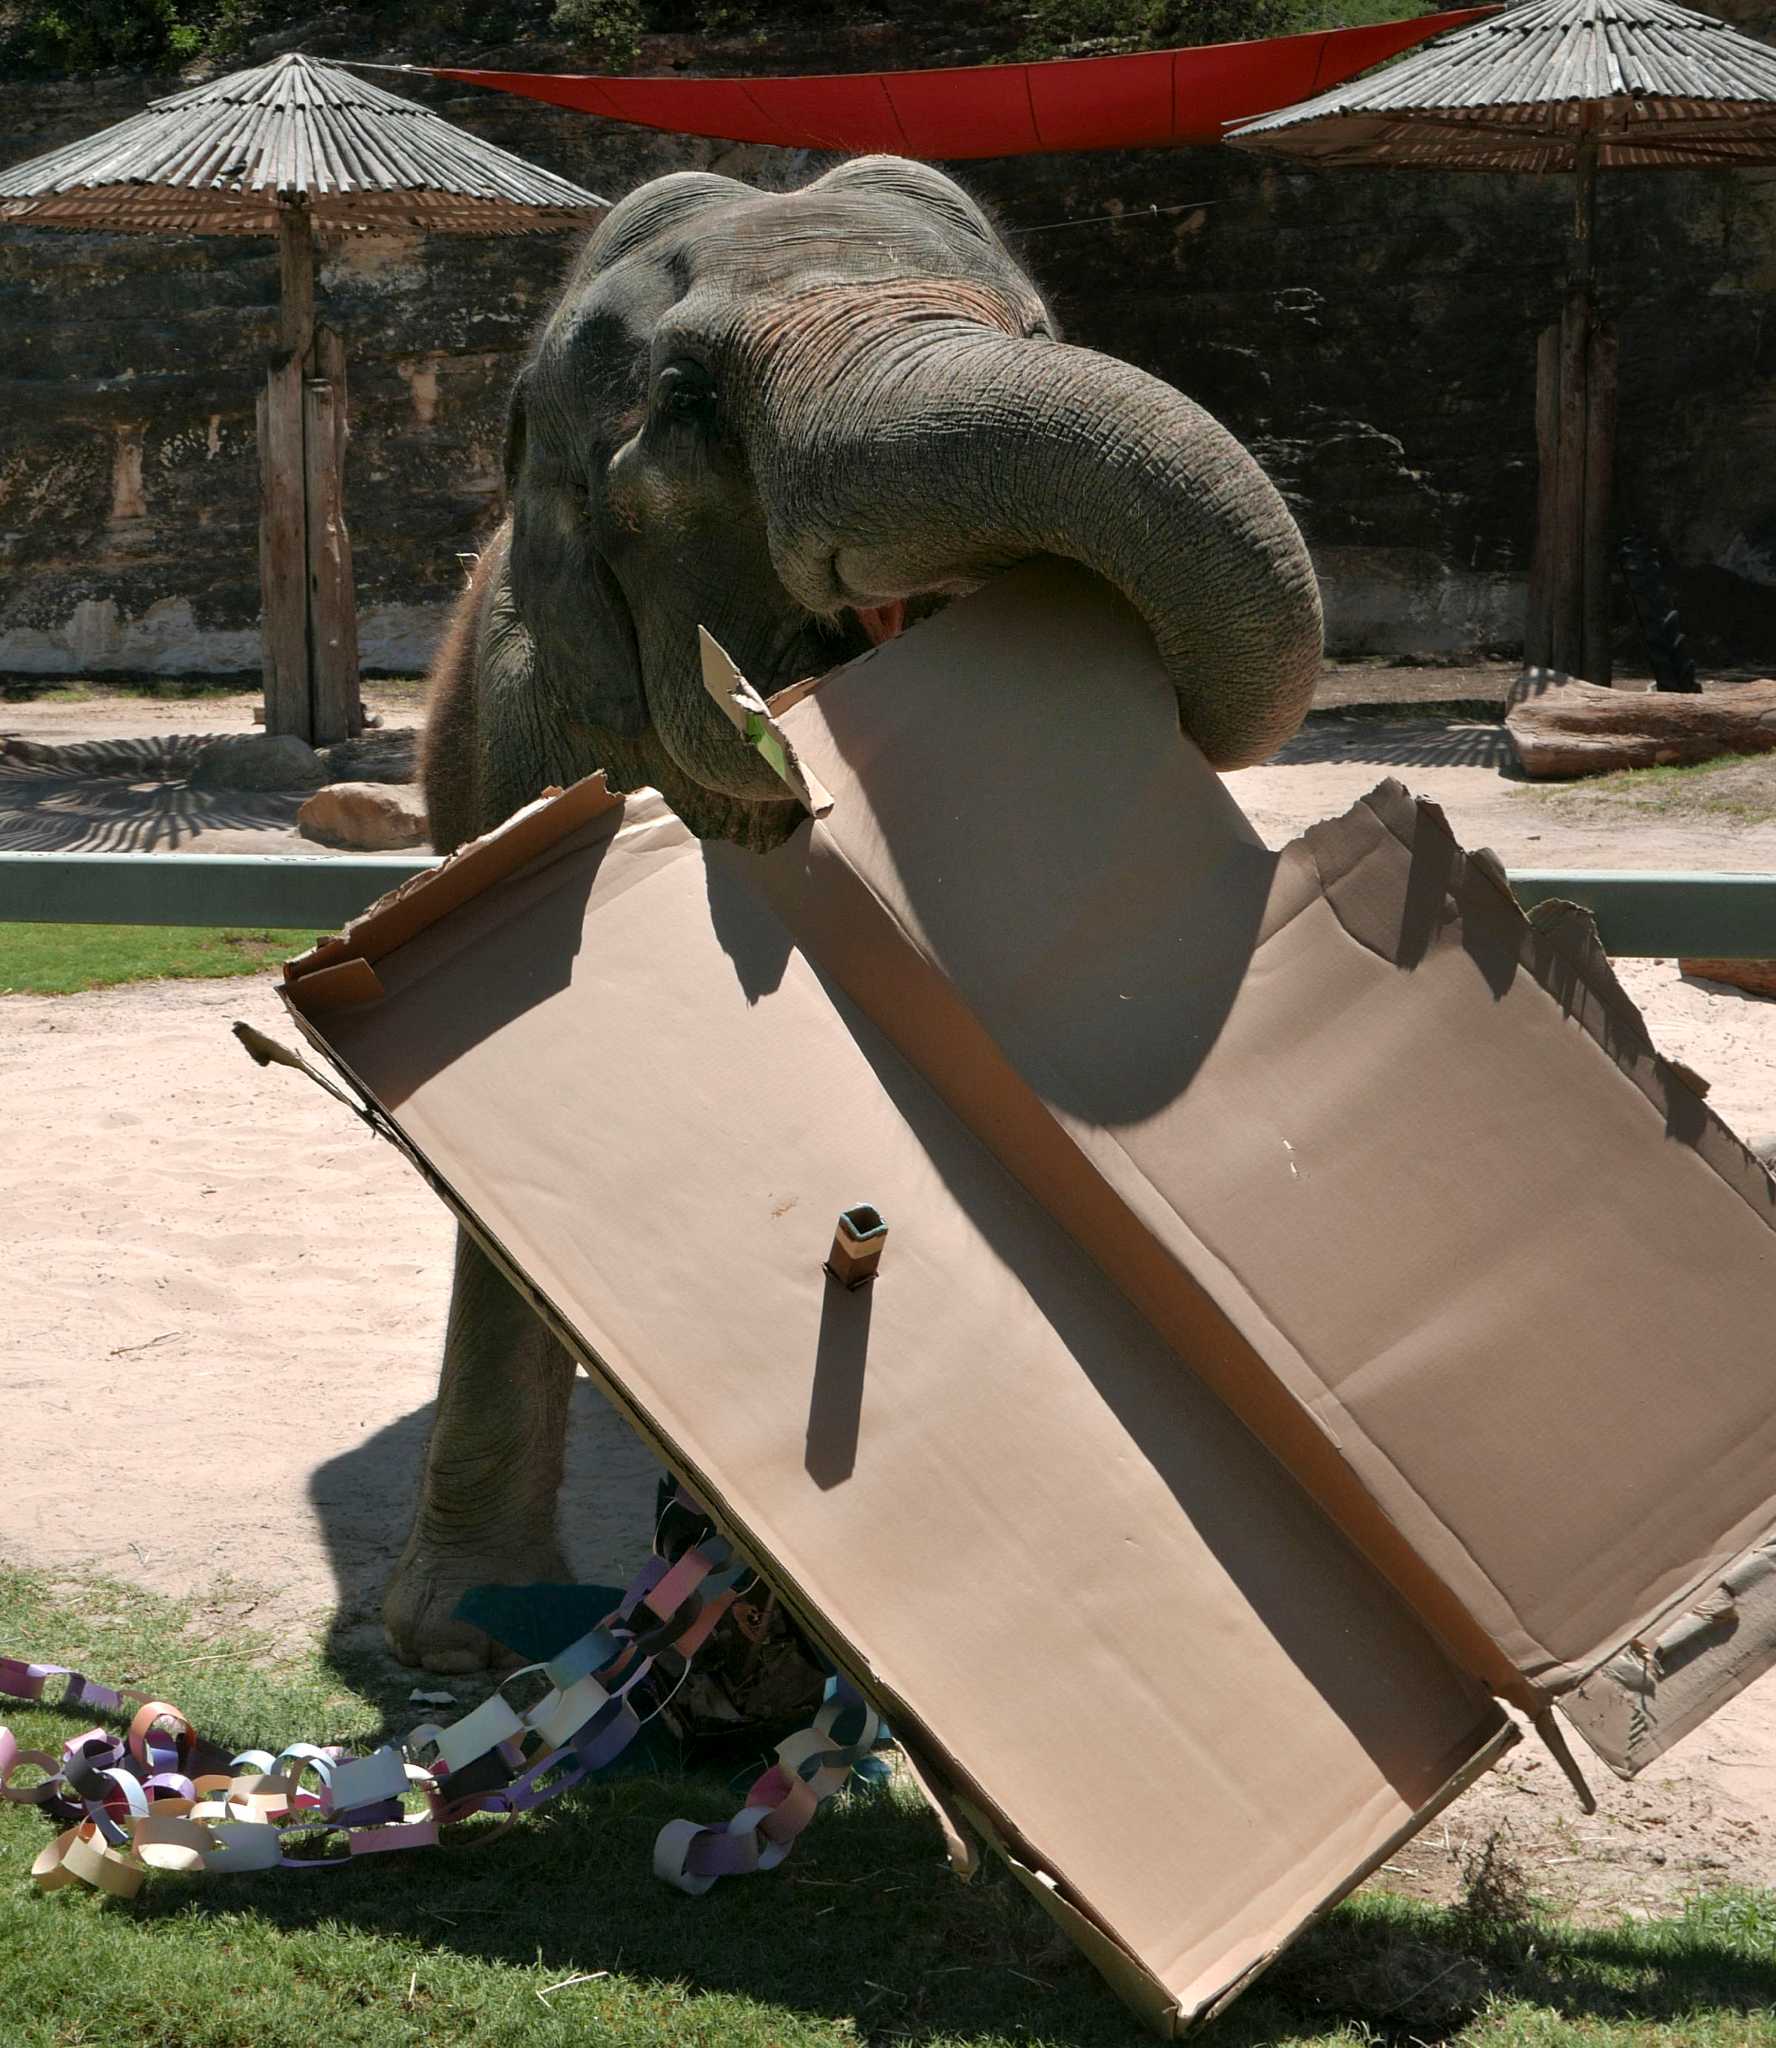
[
  {"x": 1727, "y": 823},
  {"x": 223, "y": 1288},
  {"x": 56, "y": 717},
  {"x": 225, "y": 1299}
]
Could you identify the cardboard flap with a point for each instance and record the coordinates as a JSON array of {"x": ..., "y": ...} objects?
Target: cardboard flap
[
  {"x": 1696, "y": 1656},
  {"x": 527, "y": 836},
  {"x": 1410, "y": 1186}
]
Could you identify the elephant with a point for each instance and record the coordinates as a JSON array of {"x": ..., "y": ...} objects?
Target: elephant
[{"x": 802, "y": 420}]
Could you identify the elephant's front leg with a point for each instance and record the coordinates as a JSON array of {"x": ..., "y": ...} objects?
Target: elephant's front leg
[{"x": 492, "y": 1471}]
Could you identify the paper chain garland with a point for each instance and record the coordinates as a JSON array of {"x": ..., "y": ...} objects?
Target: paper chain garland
[{"x": 132, "y": 1806}]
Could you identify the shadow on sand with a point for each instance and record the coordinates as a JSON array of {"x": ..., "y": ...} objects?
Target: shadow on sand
[{"x": 1427, "y": 742}]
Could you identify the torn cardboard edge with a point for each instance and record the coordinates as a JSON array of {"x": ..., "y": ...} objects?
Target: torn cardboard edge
[
  {"x": 528, "y": 835},
  {"x": 1559, "y": 948},
  {"x": 1563, "y": 937}
]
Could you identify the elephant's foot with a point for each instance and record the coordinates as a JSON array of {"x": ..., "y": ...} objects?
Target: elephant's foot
[{"x": 419, "y": 1605}]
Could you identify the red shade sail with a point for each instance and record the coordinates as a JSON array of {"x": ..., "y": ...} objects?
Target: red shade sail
[{"x": 1156, "y": 97}]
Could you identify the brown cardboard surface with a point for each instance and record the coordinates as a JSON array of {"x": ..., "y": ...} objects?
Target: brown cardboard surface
[
  {"x": 1512, "y": 1296},
  {"x": 655, "y": 1108},
  {"x": 1169, "y": 1131}
]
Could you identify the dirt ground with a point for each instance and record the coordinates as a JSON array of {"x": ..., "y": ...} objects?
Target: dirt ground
[{"x": 226, "y": 1299}]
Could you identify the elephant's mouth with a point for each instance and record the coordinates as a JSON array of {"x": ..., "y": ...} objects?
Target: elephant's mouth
[{"x": 882, "y": 621}]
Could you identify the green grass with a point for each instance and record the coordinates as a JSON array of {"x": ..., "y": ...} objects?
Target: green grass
[
  {"x": 50, "y": 693},
  {"x": 1734, "y": 788},
  {"x": 62, "y": 959},
  {"x": 862, "y": 1936},
  {"x": 23, "y": 689}
]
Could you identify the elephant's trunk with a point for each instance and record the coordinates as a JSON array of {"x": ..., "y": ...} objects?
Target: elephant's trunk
[{"x": 900, "y": 449}]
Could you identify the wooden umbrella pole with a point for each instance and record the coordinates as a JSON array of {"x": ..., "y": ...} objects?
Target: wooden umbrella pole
[
  {"x": 1584, "y": 235},
  {"x": 1538, "y": 623},
  {"x": 311, "y": 634},
  {"x": 296, "y": 278},
  {"x": 1600, "y": 454},
  {"x": 1567, "y": 554},
  {"x": 283, "y": 492},
  {"x": 1595, "y": 449},
  {"x": 1578, "y": 557},
  {"x": 332, "y": 611}
]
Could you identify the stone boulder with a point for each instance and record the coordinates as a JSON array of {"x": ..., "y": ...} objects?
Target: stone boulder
[
  {"x": 372, "y": 817},
  {"x": 1562, "y": 728},
  {"x": 258, "y": 761}
]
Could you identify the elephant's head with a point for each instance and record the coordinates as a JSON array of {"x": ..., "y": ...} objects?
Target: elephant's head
[{"x": 799, "y": 419}]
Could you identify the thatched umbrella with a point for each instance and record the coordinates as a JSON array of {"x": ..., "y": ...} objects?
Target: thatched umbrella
[
  {"x": 1557, "y": 85},
  {"x": 287, "y": 148}
]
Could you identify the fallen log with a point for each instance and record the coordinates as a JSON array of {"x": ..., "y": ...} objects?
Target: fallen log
[
  {"x": 1560, "y": 727},
  {"x": 1756, "y": 977}
]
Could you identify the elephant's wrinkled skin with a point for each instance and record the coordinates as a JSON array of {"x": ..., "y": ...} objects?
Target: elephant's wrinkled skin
[{"x": 797, "y": 420}]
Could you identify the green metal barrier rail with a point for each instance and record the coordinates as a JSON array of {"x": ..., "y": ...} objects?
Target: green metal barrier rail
[
  {"x": 1659, "y": 915},
  {"x": 283, "y": 891}
]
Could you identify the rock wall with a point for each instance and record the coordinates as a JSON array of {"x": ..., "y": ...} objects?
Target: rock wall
[{"x": 1370, "y": 334}]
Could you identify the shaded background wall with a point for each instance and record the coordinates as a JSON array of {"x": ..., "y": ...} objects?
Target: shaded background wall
[{"x": 1370, "y": 334}]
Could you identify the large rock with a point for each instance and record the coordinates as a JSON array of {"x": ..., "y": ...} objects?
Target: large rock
[
  {"x": 258, "y": 760},
  {"x": 374, "y": 817},
  {"x": 1565, "y": 728}
]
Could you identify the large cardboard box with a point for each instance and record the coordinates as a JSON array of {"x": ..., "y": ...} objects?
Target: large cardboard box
[{"x": 1311, "y": 1307}]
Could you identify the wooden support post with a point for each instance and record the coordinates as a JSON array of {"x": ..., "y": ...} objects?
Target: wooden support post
[
  {"x": 296, "y": 278},
  {"x": 283, "y": 551},
  {"x": 1600, "y": 446},
  {"x": 332, "y": 610},
  {"x": 1538, "y": 639},
  {"x": 1567, "y": 623},
  {"x": 305, "y": 565},
  {"x": 1568, "y": 547}
]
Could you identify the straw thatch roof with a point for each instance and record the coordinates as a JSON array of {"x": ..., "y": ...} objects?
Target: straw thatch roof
[
  {"x": 222, "y": 158},
  {"x": 1656, "y": 86}
]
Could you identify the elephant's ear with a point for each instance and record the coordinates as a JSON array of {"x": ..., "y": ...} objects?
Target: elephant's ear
[{"x": 563, "y": 591}]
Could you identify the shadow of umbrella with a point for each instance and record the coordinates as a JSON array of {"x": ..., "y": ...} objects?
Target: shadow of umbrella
[
  {"x": 1418, "y": 743},
  {"x": 45, "y": 812}
]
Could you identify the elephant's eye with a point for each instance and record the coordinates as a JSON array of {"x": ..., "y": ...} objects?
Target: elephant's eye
[{"x": 685, "y": 391}]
